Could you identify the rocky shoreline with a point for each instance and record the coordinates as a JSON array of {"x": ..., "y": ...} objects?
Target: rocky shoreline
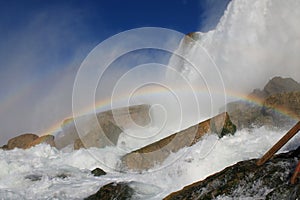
[{"x": 247, "y": 180}]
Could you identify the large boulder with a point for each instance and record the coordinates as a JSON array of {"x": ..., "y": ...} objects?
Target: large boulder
[
  {"x": 46, "y": 139},
  {"x": 246, "y": 180},
  {"x": 126, "y": 191},
  {"x": 155, "y": 153},
  {"x": 95, "y": 139},
  {"x": 102, "y": 130},
  {"x": 21, "y": 141}
]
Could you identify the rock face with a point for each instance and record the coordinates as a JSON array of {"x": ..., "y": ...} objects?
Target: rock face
[
  {"x": 245, "y": 180},
  {"x": 147, "y": 157},
  {"x": 120, "y": 191},
  {"x": 104, "y": 129},
  {"x": 21, "y": 141},
  {"x": 276, "y": 105}
]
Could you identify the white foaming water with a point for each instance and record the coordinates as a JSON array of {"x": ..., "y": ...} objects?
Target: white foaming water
[
  {"x": 43, "y": 172},
  {"x": 254, "y": 41}
]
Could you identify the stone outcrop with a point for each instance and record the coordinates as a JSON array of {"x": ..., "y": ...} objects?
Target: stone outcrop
[
  {"x": 148, "y": 156},
  {"x": 104, "y": 129},
  {"x": 126, "y": 190},
  {"x": 288, "y": 103},
  {"x": 246, "y": 180},
  {"x": 21, "y": 141},
  {"x": 28, "y": 140},
  {"x": 98, "y": 172},
  {"x": 276, "y": 105},
  {"x": 94, "y": 139},
  {"x": 47, "y": 139},
  {"x": 120, "y": 191},
  {"x": 276, "y": 85}
]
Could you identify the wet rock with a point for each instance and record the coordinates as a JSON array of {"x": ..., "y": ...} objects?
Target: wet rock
[
  {"x": 120, "y": 191},
  {"x": 98, "y": 172},
  {"x": 246, "y": 180},
  {"x": 21, "y": 141},
  {"x": 4, "y": 147},
  {"x": 282, "y": 107},
  {"x": 278, "y": 85},
  {"x": 95, "y": 139},
  {"x": 34, "y": 177},
  {"x": 102, "y": 130},
  {"x": 62, "y": 176},
  {"x": 47, "y": 139},
  {"x": 277, "y": 105},
  {"x": 155, "y": 153}
]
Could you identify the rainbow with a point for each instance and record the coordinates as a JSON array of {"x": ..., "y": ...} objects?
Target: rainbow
[{"x": 152, "y": 92}]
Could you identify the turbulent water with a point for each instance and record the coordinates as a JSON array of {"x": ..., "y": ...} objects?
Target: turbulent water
[
  {"x": 253, "y": 40},
  {"x": 44, "y": 172}
]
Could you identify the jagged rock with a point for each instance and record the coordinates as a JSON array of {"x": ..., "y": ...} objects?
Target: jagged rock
[
  {"x": 276, "y": 85},
  {"x": 120, "y": 191},
  {"x": 246, "y": 180},
  {"x": 287, "y": 103},
  {"x": 102, "y": 130},
  {"x": 98, "y": 172},
  {"x": 47, "y": 139},
  {"x": 278, "y": 104},
  {"x": 21, "y": 141},
  {"x": 279, "y": 85},
  {"x": 155, "y": 153}
]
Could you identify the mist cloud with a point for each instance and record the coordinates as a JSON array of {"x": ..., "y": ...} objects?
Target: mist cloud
[{"x": 253, "y": 42}]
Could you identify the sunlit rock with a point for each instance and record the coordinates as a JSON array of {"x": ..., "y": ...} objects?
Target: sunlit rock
[
  {"x": 46, "y": 139},
  {"x": 155, "y": 153},
  {"x": 21, "y": 141}
]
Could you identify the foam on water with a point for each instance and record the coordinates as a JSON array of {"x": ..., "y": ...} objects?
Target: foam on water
[{"x": 44, "y": 172}]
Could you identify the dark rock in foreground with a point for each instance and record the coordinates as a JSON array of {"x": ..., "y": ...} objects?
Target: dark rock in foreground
[
  {"x": 118, "y": 191},
  {"x": 246, "y": 180},
  {"x": 155, "y": 153}
]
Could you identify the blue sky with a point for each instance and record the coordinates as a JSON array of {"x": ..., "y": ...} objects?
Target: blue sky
[{"x": 42, "y": 44}]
